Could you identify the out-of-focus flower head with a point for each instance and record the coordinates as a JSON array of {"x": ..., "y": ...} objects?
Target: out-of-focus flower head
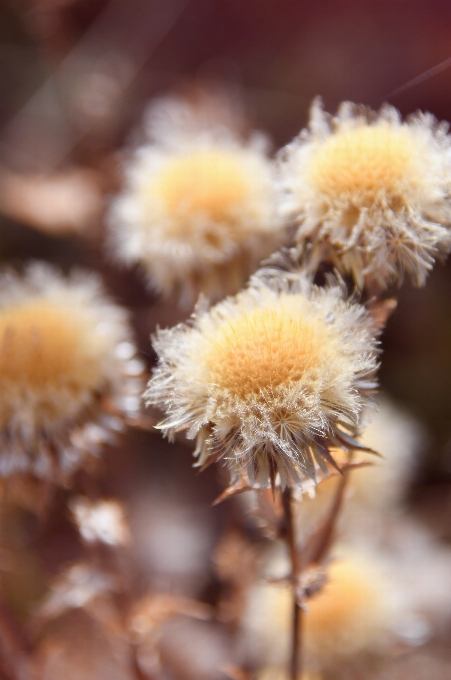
[
  {"x": 398, "y": 437},
  {"x": 197, "y": 208},
  {"x": 67, "y": 363},
  {"x": 375, "y": 492},
  {"x": 270, "y": 379},
  {"x": 348, "y": 624},
  {"x": 369, "y": 192},
  {"x": 101, "y": 521}
]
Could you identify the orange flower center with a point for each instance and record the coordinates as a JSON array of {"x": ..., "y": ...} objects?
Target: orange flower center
[
  {"x": 360, "y": 163},
  {"x": 212, "y": 183}
]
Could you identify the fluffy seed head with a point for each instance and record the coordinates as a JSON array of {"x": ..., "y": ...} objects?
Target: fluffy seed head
[
  {"x": 350, "y": 621},
  {"x": 351, "y": 614},
  {"x": 370, "y": 192},
  {"x": 197, "y": 210},
  {"x": 270, "y": 379},
  {"x": 64, "y": 350}
]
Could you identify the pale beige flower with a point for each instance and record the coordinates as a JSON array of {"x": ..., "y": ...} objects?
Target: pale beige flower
[
  {"x": 370, "y": 192},
  {"x": 197, "y": 210},
  {"x": 350, "y": 622},
  {"x": 67, "y": 371},
  {"x": 268, "y": 380}
]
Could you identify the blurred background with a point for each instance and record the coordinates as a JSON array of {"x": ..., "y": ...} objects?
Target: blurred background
[{"x": 75, "y": 79}]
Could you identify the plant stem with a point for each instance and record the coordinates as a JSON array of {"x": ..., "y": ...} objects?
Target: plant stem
[{"x": 296, "y": 631}]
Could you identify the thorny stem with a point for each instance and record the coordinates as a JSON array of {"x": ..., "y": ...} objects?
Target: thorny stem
[{"x": 290, "y": 533}]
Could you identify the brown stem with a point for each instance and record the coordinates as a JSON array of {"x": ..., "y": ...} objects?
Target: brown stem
[
  {"x": 319, "y": 545},
  {"x": 290, "y": 535}
]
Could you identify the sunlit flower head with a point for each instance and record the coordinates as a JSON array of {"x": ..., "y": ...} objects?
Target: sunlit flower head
[
  {"x": 66, "y": 365},
  {"x": 370, "y": 193},
  {"x": 197, "y": 207},
  {"x": 268, "y": 380},
  {"x": 351, "y": 620}
]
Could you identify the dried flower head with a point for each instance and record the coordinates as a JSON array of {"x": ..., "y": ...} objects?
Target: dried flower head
[
  {"x": 351, "y": 620},
  {"x": 370, "y": 193},
  {"x": 66, "y": 363},
  {"x": 197, "y": 209},
  {"x": 269, "y": 379},
  {"x": 351, "y": 614}
]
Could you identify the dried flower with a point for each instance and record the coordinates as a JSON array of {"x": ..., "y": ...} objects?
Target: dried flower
[
  {"x": 352, "y": 614},
  {"x": 197, "y": 210},
  {"x": 370, "y": 192},
  {"x": 269, "y": 379},
  {"x": 66, "y": 363},
  {"x": 352, "y": 619}
]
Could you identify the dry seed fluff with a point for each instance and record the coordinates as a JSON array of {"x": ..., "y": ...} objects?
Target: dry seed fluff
[
  {"x": 66, "y": 363},
  {"x": 268, "y": 380},
  {"x": 197, "y": 211},
  {"x": 370, "y": 192}
]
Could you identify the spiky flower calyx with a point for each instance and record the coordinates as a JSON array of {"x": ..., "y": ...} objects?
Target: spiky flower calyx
[
  {"x": 370, "y": 193},
  {"x": 269, "y": 380},
  {"x": 197, "y": 211},
  {"x": 68, "y": 371}
]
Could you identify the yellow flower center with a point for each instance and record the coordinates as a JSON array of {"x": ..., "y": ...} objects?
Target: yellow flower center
[
  {"x": 45, "y": 345},
  {"x": 209, "y": 182},
  {"x": 360, "y": 163},
  {"x": 268, "y": 347}
]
